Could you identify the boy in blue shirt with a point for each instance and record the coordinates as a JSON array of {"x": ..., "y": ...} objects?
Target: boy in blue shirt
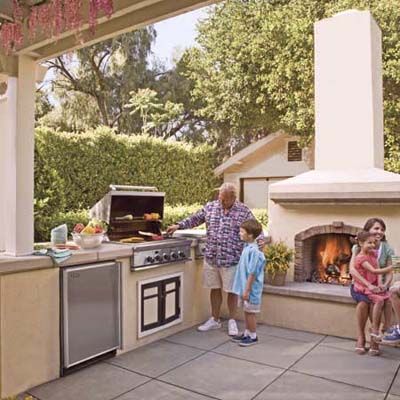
[{"x": 249, "y": 280}]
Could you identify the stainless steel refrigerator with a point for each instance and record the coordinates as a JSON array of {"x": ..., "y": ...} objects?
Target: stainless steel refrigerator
[{"x": 91, "y": 312}]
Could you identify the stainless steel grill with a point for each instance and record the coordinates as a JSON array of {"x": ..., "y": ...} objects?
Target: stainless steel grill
[{"x": 154, "y": 248}]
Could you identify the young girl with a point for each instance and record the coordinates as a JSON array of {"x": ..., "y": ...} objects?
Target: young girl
[
  {"x": 249, "y": 280},
  {"x": 377, "y": 227},
  {"x": 366, "y": 264}
]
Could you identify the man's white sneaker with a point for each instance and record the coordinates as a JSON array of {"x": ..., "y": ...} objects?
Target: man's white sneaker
[
  {"x": 232, "y": 328},
  {"x": 209, "y": 325}
]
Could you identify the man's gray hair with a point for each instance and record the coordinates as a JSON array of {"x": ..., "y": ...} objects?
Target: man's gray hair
[{"x": 228, "y": 187}]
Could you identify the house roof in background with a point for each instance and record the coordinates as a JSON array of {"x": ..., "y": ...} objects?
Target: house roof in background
[{"x": 248, "y": 151}]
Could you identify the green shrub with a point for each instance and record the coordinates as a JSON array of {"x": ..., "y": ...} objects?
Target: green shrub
[
  {"x": 261, "y": 216},
  {"x": 174, "y": 214},
  {"x": 88, "y": 163},
  {"x": 44, "y": 225}
]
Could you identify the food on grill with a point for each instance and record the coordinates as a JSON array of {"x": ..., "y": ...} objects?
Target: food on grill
[
  {"x": 133, "y": 239},
  {"x": 151, "y": 216},
  {"x": 128, "y": 217}
]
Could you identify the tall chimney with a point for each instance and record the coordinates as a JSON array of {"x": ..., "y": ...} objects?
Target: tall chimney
[{"x": 348, "y": 92}]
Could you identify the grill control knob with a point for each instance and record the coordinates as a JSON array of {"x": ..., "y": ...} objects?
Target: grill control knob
[
  {"x": 149, "y": 259},
  {"x": 174, "y": 256},
  {"x": 157, "y": 258},
  {"x": 166, "y": 257},
  {"x": 181, "y": 254}
]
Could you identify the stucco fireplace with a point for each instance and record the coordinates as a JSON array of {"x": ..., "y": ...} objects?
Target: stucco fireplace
[{"x": 324, "y": 207}]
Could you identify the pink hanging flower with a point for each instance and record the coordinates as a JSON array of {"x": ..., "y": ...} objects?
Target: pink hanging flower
[
  {"x": 95, "y": 6},
  {"x": 72, "y": 17},
  {"x": 11, "y": 36},
  {"x": 46, "y": 18},
  {"x": 33, "y": 22},
  {"x": 18, "y": 12},
  {"x": 58, "y": 22}
]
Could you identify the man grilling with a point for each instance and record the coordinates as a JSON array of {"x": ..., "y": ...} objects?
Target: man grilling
[{"x": 223, "y": 218}]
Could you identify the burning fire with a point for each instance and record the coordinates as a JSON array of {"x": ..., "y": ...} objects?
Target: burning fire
[{"x": 332, "y": 256}]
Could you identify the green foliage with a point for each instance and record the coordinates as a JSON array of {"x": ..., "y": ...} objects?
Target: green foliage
[
  {"x": 157, "y": 118},
  {"x": 261, "y": 216},
  {"x": 254, "y": 70},
  {"x": 89, "y": 162},
  {"x": 174, "y": 214},
  {"x": 92, "y": 85},
  {"x": 43, "y": 226},
  {"x": 279, "y": 256}
]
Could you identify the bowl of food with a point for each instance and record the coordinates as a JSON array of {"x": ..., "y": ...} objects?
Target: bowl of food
[
  {"x": 89, "y": 236},
  {"x": 88, "y": 240}
]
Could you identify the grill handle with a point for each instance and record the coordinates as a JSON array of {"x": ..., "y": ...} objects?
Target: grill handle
[{"x": 128, "y": 187}]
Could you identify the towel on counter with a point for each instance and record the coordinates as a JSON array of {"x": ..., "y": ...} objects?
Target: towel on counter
[{"x": 57, "y": 255}]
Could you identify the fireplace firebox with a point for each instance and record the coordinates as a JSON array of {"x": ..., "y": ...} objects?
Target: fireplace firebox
[{"x": 322, "y": 253}]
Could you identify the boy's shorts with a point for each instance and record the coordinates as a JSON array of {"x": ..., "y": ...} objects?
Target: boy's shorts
[
  {"x": 248, "y": 307},
  {"x": 218, "y": 277}
]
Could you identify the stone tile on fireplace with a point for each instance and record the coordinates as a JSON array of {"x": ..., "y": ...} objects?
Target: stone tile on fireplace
[
  {"x": 297, "y": 386},
  {"x": 374, "y": 373}
]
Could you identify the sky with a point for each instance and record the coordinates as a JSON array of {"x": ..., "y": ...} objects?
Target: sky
[{"x": 177, "y": 32}]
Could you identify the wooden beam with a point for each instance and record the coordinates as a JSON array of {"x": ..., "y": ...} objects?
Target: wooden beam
[{"x": 121, "y": 22}]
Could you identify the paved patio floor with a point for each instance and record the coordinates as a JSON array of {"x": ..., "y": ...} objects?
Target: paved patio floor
[{"x": 190, "y": 365}]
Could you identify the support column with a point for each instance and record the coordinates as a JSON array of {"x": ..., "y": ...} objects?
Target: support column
[
  {"x": 3, "y": 129},
  {"x": 18, "y": 142}
]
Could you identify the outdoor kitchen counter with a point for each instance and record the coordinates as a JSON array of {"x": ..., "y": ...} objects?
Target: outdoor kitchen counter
[{"x": 107, "y": 251}]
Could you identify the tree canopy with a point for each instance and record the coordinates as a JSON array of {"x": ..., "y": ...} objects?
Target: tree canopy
[{"x": 254, "y": 69}]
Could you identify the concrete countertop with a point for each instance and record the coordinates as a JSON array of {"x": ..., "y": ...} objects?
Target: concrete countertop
[{"x": 107, "y": 251}]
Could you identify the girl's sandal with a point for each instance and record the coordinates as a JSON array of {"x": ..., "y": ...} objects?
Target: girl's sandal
[
  {"x": 374, "y": 352},
  {"x": 360, "y": 350},
  {"x": 376, "y": 337}
]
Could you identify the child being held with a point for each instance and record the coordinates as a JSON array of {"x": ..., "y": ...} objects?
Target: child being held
[
  {"x": 249, "y": 280},
  {"x": 366, "y": 264}
]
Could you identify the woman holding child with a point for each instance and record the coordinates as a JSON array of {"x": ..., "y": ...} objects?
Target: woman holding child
[{"x": 371, "y": 258}]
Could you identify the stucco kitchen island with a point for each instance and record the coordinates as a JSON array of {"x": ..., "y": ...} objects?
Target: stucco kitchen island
[{"x": 30, "y": 329}]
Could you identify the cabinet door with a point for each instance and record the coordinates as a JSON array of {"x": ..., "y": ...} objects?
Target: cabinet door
[
  {"x": 151, "y": 305},
  {"x": 160, "y": 303},
  {"x": 171, "y": 310}
]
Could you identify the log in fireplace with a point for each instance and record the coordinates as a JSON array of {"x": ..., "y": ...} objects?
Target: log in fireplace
[{"x": 322, "y": 253}]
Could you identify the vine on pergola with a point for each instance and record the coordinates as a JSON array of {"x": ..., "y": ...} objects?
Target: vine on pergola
[{"x": 48, "y": 17}]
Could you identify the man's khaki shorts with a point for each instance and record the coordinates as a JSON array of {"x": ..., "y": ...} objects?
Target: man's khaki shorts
[{"x": 218, "y": 277}]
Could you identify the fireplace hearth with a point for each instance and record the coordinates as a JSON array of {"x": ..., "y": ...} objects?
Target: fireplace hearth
[{"x": 322, "y": 253}]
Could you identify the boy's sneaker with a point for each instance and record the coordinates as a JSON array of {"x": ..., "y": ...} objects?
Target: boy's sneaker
[
  {"x": 390, "y": 330},
  {"x": 209, "y": 325},
  {"x": 392, "y": 338},
  {"x": 238, "y": 338},
  {"x": 248, "y": 341},
  {"x": 232, "y": 328}
]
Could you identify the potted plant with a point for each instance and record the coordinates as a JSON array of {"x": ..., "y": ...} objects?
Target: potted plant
[{"x": 278, "y": 256}]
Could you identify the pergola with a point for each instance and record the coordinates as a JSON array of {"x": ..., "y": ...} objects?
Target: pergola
[{"x": 18, "y": 74}]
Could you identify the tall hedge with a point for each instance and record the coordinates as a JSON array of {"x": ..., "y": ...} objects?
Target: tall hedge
[{"x": 88, "y": 163}]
